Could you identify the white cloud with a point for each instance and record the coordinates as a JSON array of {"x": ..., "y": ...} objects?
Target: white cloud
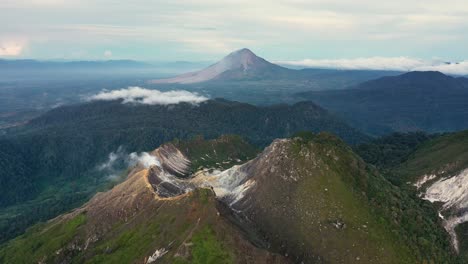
[
  {"x": 107, "y": 53},
  {"x": 460, "y": 68},
  {"x": 383, "y": 63},
  {"x": 148, "y": 96},
  {"x": 11, "y": 49}
]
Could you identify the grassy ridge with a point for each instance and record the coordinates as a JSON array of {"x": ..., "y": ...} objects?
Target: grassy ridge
[
  {"x": 369, "y": 205},
  {"x": 445, "y": 155}
]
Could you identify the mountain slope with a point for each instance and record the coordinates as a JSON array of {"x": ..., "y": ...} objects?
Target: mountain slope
[
  {"x": 241, "y": 64},
  {"x": 428, "y": 101},
  {"x": 316, "y": 185}
]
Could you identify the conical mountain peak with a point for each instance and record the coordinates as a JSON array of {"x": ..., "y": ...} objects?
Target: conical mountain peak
[{"x": 240, "y": 64}]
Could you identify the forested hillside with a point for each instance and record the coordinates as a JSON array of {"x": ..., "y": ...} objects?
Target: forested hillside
[{"x": 414, "y": 101}]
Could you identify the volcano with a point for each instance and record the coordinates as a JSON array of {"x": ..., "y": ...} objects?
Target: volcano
[{"x": 238, "y": 65}]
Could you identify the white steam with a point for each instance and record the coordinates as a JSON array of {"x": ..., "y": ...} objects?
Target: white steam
[
  {"x": 383, "y": 63},
  {"x": 116, "y": 162},
  {"x": 150, "y": 97},
  {"x": 144, "y": 159},
  {"x": 109, "y": 164}
]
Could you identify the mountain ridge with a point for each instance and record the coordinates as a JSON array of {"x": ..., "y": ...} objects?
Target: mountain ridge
[{"x": 414, "y": 101}]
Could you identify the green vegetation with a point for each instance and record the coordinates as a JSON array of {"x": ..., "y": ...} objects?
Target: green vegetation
[
  {"x": 128, "y": 245},
  {"x": 356, "y": 194},
  {"x": 390, "y": 151},
  {"x": 42, "y": 242},
  {"x": 221, "y": 153},
  {"x": 444, "y": 155},
  {"x": 414, "y": 101},
  {"x": 188, "y": 228},
  {"x": 208, "y": 250}
]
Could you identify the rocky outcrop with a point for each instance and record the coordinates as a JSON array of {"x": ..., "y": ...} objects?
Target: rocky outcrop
[{"x": 452, "y": 193}]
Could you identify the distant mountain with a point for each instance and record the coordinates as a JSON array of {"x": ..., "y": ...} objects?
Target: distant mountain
[
  {"x": 241, "y": 64},
  {"x": 56, "y": 155},
  {"x": 244, "y": 76},
  {"x": 305, "y": 199},
  {"x": 428, "y": 101}
]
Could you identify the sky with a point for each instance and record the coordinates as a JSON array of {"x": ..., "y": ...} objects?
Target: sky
[{"x": 206, "y": 30}]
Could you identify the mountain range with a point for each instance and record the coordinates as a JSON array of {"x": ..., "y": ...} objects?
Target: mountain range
[{"x": 414, "y": 101}]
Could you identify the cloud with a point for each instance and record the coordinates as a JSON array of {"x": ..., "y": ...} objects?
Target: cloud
[
  {"x": 107, "y": 53},
  {"x": 150, "y": 97},
  {"x": 144, "y": 158},
  {"x": 11, "y": 49},
  {"x": 459, "y": 68},
  {"x": 284, "y": 29},
  {"x": 383, "y": 63}
]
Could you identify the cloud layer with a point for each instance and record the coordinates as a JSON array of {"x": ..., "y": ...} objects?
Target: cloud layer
[
  {"x": 150, "y": 97},
  {"x": 383, "y": 63},
  {"x": 208, "y": 29}
]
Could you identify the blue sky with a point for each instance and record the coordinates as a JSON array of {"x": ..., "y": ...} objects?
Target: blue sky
[{"x": 208, "y": 29}]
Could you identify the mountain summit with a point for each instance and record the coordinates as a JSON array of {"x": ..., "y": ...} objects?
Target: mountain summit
[{"x": 241, "y": 64}]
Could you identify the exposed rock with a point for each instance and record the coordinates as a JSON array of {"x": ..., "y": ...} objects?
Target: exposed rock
[{"x": 452, "y": 192}]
